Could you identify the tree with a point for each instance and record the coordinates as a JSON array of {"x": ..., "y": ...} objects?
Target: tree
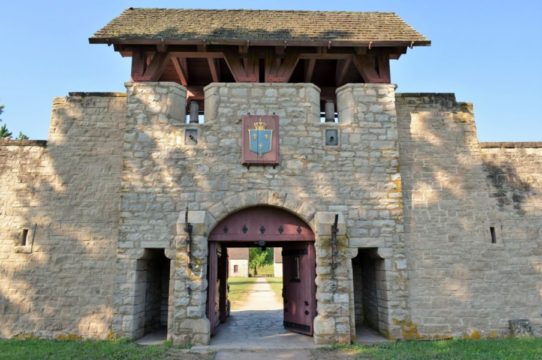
[
  {"x": 4, "y": 132},
  {"x": 259, "y": 257}
]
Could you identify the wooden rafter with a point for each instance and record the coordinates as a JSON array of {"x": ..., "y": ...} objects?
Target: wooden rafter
[
  {"x": 366, "y": 65},
  {"x": 181, "y": 68},
  {"x": 309, "y": 69},
  {"x": 243, "y": 69},
  {"x": 147, "y": 68},
  {"x": 195, "y": 92},
  {"x": 341, "y": 70},
  {"x": 139, "y": 64},
  {"x": 383, "y": 62},
  {"x": 214, "y": 69},
  {"x": 280, "y": 71}
]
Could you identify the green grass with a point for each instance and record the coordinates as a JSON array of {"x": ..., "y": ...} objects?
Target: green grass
[
  {"x": 239, "y": 289},
  {"x": 276, "y": 286},
  {"x": 498, "y": 349},
  {"x": 59, "y": 350},
  {"x": 265, "y": 270}
]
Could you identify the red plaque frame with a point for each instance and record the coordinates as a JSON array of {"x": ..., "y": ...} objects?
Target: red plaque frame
[{"x": 262, "y": 122}]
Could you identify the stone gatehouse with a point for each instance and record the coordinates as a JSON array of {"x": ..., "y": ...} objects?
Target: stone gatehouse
[{"x": 390, "y": 212}]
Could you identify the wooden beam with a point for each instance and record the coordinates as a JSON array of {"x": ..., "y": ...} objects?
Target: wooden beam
[
  {"x": 195, "y": 93},
  {"x": 252, "y": 66},
  {"x": 198, "y": 55},
  {"x": 326, "y": 56},
  {"x": 383, "y": 61},
  {"x": 367, "y": 69},
  {"x": 145, "y": 68},
  {"x": 341, "y": 70},
  {"x": 328, "y": 93},
  {"x": 181, "y": 68},
  {"x": 276, "y": 72},
  {"x": 309, "y": 69},
  {"x": 243, "y": 70},
  {"x": 214, "y": 69},
  {"x": 161, "y": 47},
  {"x": 139, "y": 64}
]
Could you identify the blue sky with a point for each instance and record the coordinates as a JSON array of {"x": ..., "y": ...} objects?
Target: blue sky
[{"x": 487, "y": 52}]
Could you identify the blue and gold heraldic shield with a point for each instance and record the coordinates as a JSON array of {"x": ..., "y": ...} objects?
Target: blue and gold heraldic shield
[{"x": 260, "y": 139}]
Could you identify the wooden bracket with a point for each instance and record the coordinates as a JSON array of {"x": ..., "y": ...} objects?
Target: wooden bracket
[
  {"x": 146, "y": 68},
  {"x": 181, "y": 68},
  {"x": 373, "y": 69},
  {"x": 341, "y": 70},
  {"x": 309, "y": 69},
  {"x": 243, "y": 69},
  {"x": 277, "y": 71},
  {"x": 214, "y": 69}
]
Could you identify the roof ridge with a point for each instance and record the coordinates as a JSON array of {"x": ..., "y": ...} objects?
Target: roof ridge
[{"x": 267, "y": 10}]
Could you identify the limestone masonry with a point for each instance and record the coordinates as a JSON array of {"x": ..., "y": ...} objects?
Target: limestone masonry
[{"x": 438, "y": 236}]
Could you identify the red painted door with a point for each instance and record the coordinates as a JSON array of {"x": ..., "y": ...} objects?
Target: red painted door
[
  {"x": 223, "y": 285},
  {"x": 299, "y": 289},
  {"x": 217, "y": 299},
  {"x": 213, "y": 298}
]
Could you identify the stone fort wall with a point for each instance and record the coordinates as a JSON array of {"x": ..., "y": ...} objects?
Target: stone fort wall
[
  {"x": 455, "y": 191},
  {"x": 66, "y": 193},
  {"x": 164, "y": 174},
  {"x": 408, "y": 177}
]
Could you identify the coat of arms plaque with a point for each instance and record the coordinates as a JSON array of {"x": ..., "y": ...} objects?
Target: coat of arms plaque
[{"x": 260, "y": 140}]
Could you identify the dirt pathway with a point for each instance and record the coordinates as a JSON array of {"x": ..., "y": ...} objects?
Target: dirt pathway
[{"x": 261, "y": 297}]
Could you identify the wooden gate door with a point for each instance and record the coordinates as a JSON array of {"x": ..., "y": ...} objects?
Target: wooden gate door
[
  {"x": 299, "y": 289},
  {"x": 217, "y": 303},
  {"x": 266, "y": 226}
]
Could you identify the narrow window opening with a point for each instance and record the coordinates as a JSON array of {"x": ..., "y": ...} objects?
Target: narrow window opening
[
  {"x": 328, "y": 112},
  {"x": 493, "y": 235},
  {"x": 24, "y": 237},
  {"x": 235, "y": 268}
]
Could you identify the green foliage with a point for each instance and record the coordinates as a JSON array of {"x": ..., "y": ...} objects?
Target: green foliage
[
  {"x": 4, "y": 132},
  {"x": 266, "y": 270},
  {"x": 258, "y": 257}
]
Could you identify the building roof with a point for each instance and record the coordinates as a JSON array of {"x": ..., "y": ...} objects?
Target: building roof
[{"x": 258, "y": 27}]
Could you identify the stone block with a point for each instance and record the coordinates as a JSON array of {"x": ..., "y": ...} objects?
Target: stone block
[
  {"x": 324, "y": 220},
  {"x": 324, "y": 326}
]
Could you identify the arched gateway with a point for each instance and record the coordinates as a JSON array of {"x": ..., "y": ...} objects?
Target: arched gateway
[{"x": 270, "y": 227}]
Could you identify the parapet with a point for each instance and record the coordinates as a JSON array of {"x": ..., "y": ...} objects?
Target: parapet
[
  {"x": 11, "y": 142},
  {"x": 442, "y": 100}
]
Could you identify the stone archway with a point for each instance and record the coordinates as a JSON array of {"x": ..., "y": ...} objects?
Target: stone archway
[
  {"x": 266, "y": 226},
  {"x": 301, "y": 207},
  {"x": 190, "y": 273}
]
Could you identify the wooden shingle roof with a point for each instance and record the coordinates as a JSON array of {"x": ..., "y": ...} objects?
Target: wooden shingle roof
[{"x": 259, "y": 27}]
